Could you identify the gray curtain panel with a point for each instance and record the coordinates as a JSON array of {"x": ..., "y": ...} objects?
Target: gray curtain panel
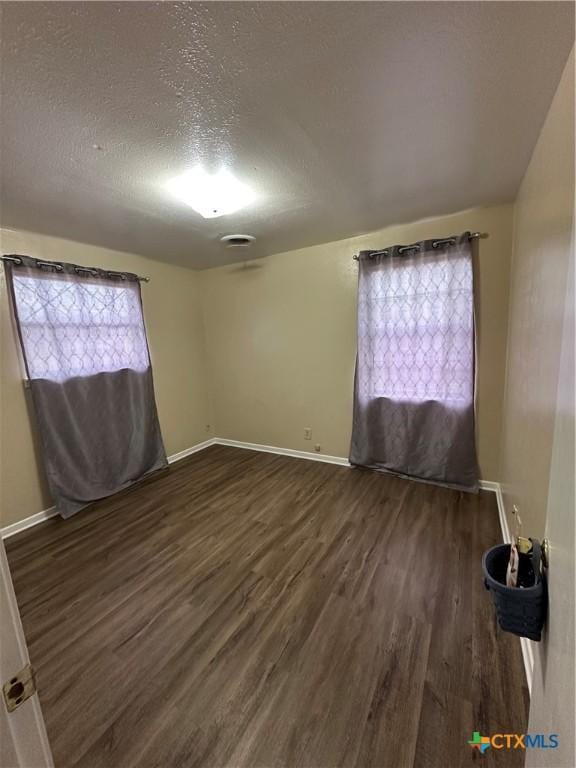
[
  {"x": 86, "y": 354},
  {"x": 415, "y": 369}
]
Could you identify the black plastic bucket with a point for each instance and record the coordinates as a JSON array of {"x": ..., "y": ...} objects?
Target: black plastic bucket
[{"x": 520, "y": 610}]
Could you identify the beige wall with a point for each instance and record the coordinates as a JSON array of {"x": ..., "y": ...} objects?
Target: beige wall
[
  {"x": 281, "y": 337},
  {"x": 176, "y": 338},
  {"x": 272, "y": 351},
  {"x": 543, "y": 225},
  {"x": 552, "y": 706}
]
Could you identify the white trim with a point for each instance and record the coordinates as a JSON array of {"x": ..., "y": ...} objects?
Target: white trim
[
  {"x": 340, "y": 460},
  {"x": 28, "y": 522},
  {"x": 485, "y": 485},
  {"x": 528, "y": 656},
  {"x": 488, "y": 485},
  {"x": 190, "y": 451},
  {"x": 526, "y": 645}
]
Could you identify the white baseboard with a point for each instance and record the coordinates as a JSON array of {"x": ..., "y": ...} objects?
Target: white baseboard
[
  {"x": 193, "y": 449},
  {"x": 485, "y": 485},
  {"x": 339, "y": 460},
  {"x": 528, "y": 656},
  {"x": 28, "y": 522}
]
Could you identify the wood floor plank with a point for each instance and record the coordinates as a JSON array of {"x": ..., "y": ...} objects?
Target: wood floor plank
[{"x": 248, "y": 610}]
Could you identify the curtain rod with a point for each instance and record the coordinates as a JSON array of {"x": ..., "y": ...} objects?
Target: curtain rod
[
  {"x": 435, "y": 244},
  {"x": 15, "y": 259}
]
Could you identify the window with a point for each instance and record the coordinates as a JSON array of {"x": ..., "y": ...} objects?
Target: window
[
  {"x": 79, "y": 328},
  {"x": 416, "y": 323}
]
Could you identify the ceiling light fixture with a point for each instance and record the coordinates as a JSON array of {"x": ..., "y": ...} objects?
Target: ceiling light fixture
[{"x": 211, "y": 195}]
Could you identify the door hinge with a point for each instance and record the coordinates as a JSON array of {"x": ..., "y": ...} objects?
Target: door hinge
[{"x": 19, "y": 688}]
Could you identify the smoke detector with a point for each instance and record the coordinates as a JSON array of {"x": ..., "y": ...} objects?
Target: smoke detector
[{"x": 237, "y": 241}]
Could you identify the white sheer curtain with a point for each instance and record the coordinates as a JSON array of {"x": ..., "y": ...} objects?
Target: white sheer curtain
[
  {"x": 415, "y": 329},
  {"x": 79, "y": 328}
]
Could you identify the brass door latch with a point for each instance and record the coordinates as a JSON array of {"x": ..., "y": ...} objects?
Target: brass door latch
[
  {"x": 524, "y": 546},
  {"x": 19, "y": 688}
]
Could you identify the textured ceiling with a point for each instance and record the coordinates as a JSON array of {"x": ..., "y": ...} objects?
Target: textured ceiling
[{"x": 344, "y": 117}]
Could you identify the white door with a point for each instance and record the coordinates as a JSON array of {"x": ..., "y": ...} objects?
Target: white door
[
  {"x": 23, "y": 740},
  {"x": 552, "y": 702}
]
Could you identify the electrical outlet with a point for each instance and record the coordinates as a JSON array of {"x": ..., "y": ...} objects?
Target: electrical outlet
[
  {"x": 307, "y": 433},
  {"x": 317, "y": 447},
  {"x": 208, "y": 427}
]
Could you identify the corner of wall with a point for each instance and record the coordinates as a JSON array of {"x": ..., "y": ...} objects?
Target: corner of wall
[{"x": 209, "y": 368}]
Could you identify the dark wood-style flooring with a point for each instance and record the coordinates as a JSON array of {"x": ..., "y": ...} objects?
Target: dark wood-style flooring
[{"x": 248, "y": 610}]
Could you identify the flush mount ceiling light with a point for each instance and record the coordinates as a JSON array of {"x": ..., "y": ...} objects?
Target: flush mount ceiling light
[{"x": 211, "y": 194}]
